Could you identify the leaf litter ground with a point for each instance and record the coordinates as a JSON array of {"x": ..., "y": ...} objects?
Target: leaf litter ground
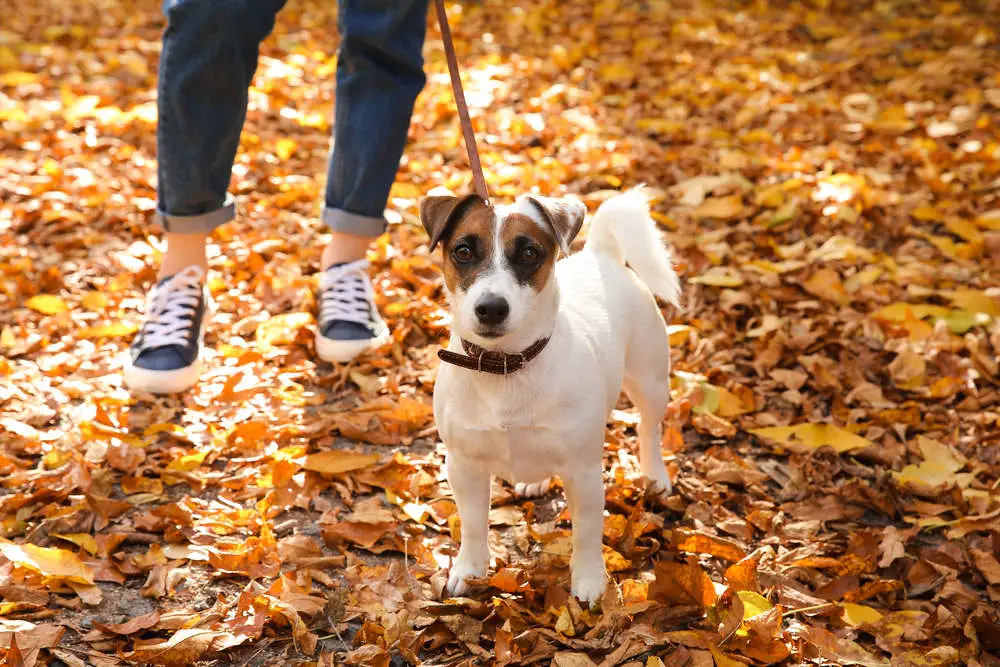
[{"x": 828, "y": 173}]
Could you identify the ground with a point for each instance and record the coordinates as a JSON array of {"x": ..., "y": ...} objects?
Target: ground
[{"x": 828, "y": 175}]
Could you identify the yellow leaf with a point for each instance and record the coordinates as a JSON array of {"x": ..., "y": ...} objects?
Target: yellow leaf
[
  {"x": 281, "y": 329},
  {"x": 989, "y": 220},
  {"x": 85, "y": 541},
  {"x": 619, "y": 72},
  {"x": 975, "y": 301},
  {"x": 53, "y": 563},
  {"x": 723, "y": 660},
  {"x": 812, "y": 436},
  {"x": 116, "y": 330},
  {"x": 964, "y": 229},
  {"x": 730, "y": 404},
  {"x": 12, "y": 79},
  {"x": 719, "y": 276},
  {"x": 188, "y": 462},
  {"x": 935, "y": 472},
  {"x": 284, "y": 148},
  {"x": 95, "y": 300},
  {"x": 772, "y": 196},
  {"x": 900, "y": 311},
  {"x": 926, "y": 213},
  {"x": 339, "y": 461},
  {"x": 7, "y": 337},
  {"x": 859, "y": 614},
  {"x": 47, "y": 304},
  {"x": 753, "y": 603},
  {"x": 677, "y": 333}
]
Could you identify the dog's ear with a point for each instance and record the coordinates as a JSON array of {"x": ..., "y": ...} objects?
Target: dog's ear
[
  {"x": 440, "y": 213},
  {"x": 563, "y": 216}
]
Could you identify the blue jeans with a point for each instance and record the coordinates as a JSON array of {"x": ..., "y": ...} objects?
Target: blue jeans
[{"x": 208, "y": 61}]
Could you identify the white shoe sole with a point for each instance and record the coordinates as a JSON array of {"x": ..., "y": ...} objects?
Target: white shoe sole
[
  {"x": 343, "y": 351},
  {"x": 161, "y": 382}
]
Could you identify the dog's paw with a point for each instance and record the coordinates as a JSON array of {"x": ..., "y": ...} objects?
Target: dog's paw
[
  {"x": 589, "y": 587},
  {"x": 522, "y": 490},
  {"x": 659, "y": 483},
  {"x": 457, "y": 584}
]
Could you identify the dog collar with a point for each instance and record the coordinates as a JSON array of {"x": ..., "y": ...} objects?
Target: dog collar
[{"x": 486, "y": 361}]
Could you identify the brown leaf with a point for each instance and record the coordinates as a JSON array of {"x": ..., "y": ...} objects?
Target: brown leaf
[
  {"x": 184, "y": 647},
  {"x": 836, "y": 649},
  {"x": 729, "y": 611},
  {"x": 131, "y": 626},
  {"x": 987, "y": 564}
]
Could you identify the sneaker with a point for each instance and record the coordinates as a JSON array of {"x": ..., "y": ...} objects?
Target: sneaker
[
  {"x": 165, "y": 356},
  {"x": 349, "y": 322}
]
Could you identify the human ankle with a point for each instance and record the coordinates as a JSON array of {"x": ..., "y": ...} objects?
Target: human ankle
[
  {"x": 183, "y": 250},
  {"x": 344, "y": 248}
]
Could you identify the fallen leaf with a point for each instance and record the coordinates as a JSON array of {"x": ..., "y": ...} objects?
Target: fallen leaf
[
  {"x": 51, "y": 563},
  {"x": 47, "y": 304},
  {"x": 337, "y": 461},
  {"x": 803, "y": 437},
  {"x": 683, "y": 584}
]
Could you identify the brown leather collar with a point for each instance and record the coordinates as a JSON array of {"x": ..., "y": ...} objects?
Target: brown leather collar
[{"x": 486, "y": 361}]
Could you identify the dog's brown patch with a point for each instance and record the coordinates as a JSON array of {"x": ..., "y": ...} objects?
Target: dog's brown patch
[
  {"x": 529, "y": 249},
  {"x": 475, "y": 231}
]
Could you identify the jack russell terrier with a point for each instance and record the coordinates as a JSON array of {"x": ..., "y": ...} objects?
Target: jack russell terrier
[{"x": 539, "y": 353}]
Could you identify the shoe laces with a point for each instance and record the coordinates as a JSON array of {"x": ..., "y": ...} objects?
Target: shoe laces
[
  {"x": 171, "y": 309},
  {"x": 346, "y": 294}
]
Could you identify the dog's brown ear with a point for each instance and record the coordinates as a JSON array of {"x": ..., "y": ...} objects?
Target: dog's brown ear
[
  {"x": 439, "y": 214},
  {"x": 564, "y": 216}
]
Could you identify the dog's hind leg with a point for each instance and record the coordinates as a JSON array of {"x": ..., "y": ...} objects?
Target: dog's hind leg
[
  {"x": 648, "y": 386},
  {"x": 522, "y": 490}
]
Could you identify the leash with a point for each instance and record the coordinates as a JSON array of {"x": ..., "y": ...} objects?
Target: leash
[{"x": 479, "y": 181}]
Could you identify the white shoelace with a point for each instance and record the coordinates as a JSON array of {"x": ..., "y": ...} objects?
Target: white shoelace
[
  {"x": 171, "y": 308},
  {"x": 346, "y": 294}
]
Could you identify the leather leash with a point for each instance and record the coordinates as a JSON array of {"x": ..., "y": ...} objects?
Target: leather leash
[{"x": 479, "y": 181}]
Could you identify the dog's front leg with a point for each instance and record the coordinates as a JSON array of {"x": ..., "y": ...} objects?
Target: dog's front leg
[
  {"x": 585, "y": 493},
  {"x": 471, "y": 486}
]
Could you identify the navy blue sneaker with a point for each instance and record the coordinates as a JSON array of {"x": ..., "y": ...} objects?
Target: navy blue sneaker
[
  {"x": 165, "y": 356},
  {"x": 349, "y": 322}
]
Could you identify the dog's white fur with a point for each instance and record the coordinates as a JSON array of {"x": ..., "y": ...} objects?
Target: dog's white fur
[{"x": 549, "y": 418}]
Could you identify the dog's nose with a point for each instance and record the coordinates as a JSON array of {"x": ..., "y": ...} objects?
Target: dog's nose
[{"x": 492, "y": 310}]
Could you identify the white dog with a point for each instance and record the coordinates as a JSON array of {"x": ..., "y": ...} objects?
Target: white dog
[{"x": 539, "y": 353}]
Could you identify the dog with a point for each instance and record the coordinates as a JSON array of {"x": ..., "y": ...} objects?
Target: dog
[{"x": 539, "y": 353}]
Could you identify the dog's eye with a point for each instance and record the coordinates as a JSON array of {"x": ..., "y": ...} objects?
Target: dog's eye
[
  {"x": 530, "y": 255},
  {"x": 463, "y": 254}
]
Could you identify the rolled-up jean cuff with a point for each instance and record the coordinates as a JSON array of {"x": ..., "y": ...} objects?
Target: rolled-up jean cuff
[
  {"x": 194, "y": 224},
  {"x": 339, "y": 220}
]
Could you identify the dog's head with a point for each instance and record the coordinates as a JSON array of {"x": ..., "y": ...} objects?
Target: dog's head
[{"x": 498, "y": 264}]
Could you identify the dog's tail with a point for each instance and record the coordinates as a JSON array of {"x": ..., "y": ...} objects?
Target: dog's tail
[{"x": 623, "y": 228}]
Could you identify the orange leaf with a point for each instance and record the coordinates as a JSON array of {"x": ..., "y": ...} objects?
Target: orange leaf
[
  {"x": 682, "y": 584},
  {"x": 742, "y": 576},
  {"x": 336, "y": 461},
  {"x": 702, "y": 543}
]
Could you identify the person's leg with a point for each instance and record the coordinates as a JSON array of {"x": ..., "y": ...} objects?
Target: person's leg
[
  {"x": 208, "y": 61},
  {"x": 379, "y": 75}
]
